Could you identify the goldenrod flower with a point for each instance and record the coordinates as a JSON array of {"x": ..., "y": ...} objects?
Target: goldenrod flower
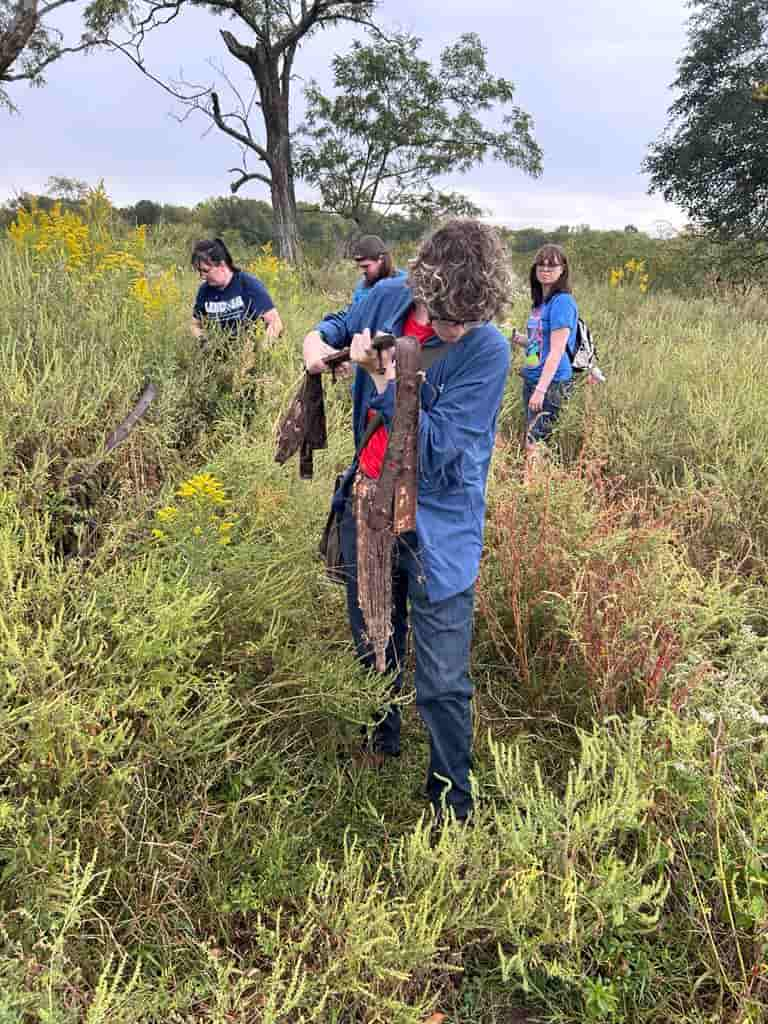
[
  {"x": 632, "y": 273},
  {"x": 205, "y": 486},
  {"x": 271, "y": 270}
]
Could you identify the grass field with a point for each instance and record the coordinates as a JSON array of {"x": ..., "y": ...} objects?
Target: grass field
[{"x": 180, "y": 840}]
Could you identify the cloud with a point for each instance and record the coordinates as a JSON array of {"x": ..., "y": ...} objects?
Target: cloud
[
  {"x": 549, "y": 208},
  {"x": 594, "y": 77}
]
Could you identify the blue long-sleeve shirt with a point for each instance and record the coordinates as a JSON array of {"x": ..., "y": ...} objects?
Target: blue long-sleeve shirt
[
  {"x": 363, "y": 288},
  {"x": 460, "y": 400}
]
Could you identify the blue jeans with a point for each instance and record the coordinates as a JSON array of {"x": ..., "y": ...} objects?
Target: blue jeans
[
  {"x": 539, "y": 424},
  {"x": 442, "y": 635}
]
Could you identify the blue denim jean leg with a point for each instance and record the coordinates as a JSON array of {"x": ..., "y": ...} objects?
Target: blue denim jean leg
[
  {"x": 442, "y": 634},
  {"x": 539, "y": 424}
]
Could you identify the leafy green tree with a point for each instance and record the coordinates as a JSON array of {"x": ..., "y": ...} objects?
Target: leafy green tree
[
  {"x": 148, "y": 212},
  {"x": 224, "y": 215},
  {"x": 72, "y": 190},
  {"x": 70, "y": 201},
  {"x": 151, "y": 212},
  {"x": 528, "y": 240},
  {"x": 173, "y": 214},
  {"x": 273, "y": 31},
  {"x": 397, "y": 123},
  {"x": 28, "y": 44},
  {"x": 712, "y": 159}
]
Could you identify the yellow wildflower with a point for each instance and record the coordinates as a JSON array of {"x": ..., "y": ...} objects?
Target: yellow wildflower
[
  {"x": 158, "y": 294},
  {"x": 631, "y": 274},
  {"x": 272, "y": 271},
  {"x": 205, "y": 486}
]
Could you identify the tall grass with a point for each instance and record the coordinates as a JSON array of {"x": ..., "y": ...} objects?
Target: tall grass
[{"x": 181, "y": 836}]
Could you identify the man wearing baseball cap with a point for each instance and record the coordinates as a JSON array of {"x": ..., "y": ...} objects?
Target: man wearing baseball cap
[{"x": 374, "y": 258}]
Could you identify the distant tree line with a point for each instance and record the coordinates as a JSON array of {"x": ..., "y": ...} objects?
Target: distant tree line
[
  {"x": 250, "y": 220},
  {"x": 324, "y": 235}
]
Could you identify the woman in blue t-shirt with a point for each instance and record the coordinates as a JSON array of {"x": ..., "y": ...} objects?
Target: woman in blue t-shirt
[
  {"x": 547, "y": 373},
  {"x": 229, "y": 297}
]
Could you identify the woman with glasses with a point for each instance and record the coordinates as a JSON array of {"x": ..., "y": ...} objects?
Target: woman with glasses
[
  {"x": 229, "y": 297},
  {"x": 547, "y": 373},
  {"x": 458, "y": 282}
]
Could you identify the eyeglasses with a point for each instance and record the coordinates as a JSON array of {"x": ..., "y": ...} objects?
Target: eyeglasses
[
  {"x": 436, "y": 318},
  {"x": 543, "y": 265},
  {"x": 446, "y": 320}
]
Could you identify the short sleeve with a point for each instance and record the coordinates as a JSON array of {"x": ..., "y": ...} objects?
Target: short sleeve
[
  {"x": 199, "y": 311},
  {"x": 563, "y": 312},
  {"x": 259, "y": 299}
]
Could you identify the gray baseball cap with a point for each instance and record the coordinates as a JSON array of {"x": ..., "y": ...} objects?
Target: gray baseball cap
[{"x": 369, "y": 247}]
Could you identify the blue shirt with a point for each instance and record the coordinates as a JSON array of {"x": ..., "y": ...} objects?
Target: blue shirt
[
  {"x": 363, "y": 288},
  {"x": 244, "y": 299},
  {"x": 557, "y": 312},
  {"x": 460, "y": 401}
]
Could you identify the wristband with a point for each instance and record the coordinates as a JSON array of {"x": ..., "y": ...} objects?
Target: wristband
[{"x": 543, "y": 391}]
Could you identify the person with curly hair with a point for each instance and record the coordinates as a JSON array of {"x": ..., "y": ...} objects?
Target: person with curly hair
[{"x": 458, "y": 282}]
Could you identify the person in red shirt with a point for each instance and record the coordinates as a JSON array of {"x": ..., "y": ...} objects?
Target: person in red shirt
[
  {"x": 457, "y": 283},
  {"x": 372, "y": 456}
]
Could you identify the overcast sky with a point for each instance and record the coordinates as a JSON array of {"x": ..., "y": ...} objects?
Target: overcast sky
[{"x": 594, "y": 76}]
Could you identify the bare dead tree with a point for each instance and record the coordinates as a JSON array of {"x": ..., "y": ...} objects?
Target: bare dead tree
[{"x": 260, "y": 126}]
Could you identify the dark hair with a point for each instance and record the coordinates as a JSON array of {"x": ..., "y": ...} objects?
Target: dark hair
[
  {"x": 461, "y": 272},
  {"x": 388, "y": 268},
  {"x": 553, "y": 254},
  {"x": 212, "y": 250}
]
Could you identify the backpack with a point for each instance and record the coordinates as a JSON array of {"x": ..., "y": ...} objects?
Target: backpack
[{"x": 583, "y": 357}]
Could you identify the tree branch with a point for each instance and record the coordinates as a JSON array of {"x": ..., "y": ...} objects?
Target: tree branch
[
  {"x": 138, "y": 62},
  {"x": 52, "y": 7},
  {"x": 40, "y": 65},
  {"x": 247, "y": 54},
  {"x": 319, "y": 12},
  {"x": 246, "y": 176},
  {"x": 244, "y": 140}
]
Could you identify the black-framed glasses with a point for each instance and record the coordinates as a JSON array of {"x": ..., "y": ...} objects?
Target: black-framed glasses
[
  {"x": 548, "y": 266},
  {"x": 446, "y": 320},
  {"x": 436, "y": 318}
]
